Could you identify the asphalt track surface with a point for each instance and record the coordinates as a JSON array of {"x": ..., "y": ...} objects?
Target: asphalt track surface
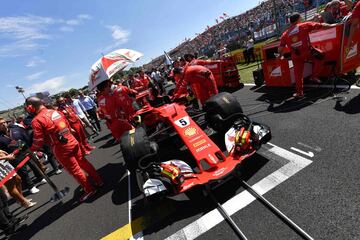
[{"x": 322, "y": 196}]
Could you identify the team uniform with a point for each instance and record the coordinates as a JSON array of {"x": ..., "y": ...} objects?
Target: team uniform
[
  {"x": 76, "y": 124},
  {"x": 298, "y": 40},
  {"x": 201, "y": 81},
  {"x": 51, "y": 128},
  {"x": 118, "y": 109}
]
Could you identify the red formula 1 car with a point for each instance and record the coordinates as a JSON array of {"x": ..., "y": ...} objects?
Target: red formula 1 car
[
  {"x": 341, "y": 56},
  {"x": 203, "y": 161}
]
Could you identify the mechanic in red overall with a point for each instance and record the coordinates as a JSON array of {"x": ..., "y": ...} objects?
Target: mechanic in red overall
[
  {"x": 296, "y": 37},
  {"x": 136, "y": 84},
  {"x": 145, "y": 79},
  {"x": 201, "y": 80},
  {"x": 75, "y": 124},
  {"x": 51, "y": 128},
  {"x": 355, "y": 18},
  {"x": 117, "y": 106}
]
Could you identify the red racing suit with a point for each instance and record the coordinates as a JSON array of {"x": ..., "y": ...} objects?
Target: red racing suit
[
  {"x": 356, "y": 11},
  {"x": 201, "y": 81},
  {"x": 137, "y": 85},
  {"x": 118, "y": 109},
  {"x": 76, "y": 124},
  {"x": 51, "y": 128},
  {"x": 296, "y": 37},
  {"x": 145, "y": 80}
]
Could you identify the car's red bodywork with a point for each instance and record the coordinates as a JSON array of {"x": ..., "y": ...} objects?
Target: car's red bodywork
[{"x": 202, "y": 148}]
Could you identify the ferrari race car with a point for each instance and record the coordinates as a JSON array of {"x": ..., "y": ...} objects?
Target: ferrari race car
[{"x": 203, "y": 162}]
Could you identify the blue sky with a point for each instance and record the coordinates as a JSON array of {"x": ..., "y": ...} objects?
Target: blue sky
[{"x": 51, "y": 45}]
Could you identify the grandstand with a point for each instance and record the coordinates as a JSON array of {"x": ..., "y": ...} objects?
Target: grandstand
[{"x": 233, "y": 31}]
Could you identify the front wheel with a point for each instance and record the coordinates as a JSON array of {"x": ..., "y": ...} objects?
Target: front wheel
[{"x": 220, "y": 107}]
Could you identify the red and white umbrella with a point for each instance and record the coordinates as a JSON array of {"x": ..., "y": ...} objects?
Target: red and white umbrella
[{"x": 104, "y": 68}]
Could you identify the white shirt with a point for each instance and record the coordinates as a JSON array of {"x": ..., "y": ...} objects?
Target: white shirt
[
  {"x": 250, "y": 44},
  {"x": 79, "y": 108}
]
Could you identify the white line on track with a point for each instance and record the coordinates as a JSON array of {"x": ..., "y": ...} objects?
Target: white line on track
[
  {"x": 315, "y": 86},
  {"x": 238, "y": 202},
  {"x": 138, "y": 236},
  {"x": 316, "y": 148},
  {"x": 309, "y": 154}
]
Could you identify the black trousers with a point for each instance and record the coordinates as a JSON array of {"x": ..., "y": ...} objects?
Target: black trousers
[
  {"x": 53, "y": 162},
  {"x": 250, "y": 54},
  {"x": 93, "y": 115},
  {"x": 23, "y": 173},
  {"x": 6, "y": 217}
]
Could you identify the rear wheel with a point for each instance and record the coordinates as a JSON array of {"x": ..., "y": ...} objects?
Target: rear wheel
[{"x": 219, "y": 107}]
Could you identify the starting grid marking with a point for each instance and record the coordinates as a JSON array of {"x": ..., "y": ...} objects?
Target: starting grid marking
[
  {"x": 238, "y": 202},
  {"x": 134, "y": 229}
]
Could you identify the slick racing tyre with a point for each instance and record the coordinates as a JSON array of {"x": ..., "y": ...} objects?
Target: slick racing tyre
[
  {"x": 135, "y": 145},
  {"x": 220, "y": 107}
]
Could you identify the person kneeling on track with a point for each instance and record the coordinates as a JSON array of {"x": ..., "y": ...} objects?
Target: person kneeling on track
[
  {"x": 201, "y": 80},
  {"x": 117, "y": 107},
  {"x": 51, "y": 127}
]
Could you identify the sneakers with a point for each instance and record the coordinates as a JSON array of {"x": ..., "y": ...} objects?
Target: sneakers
[
  {"x": 57, "y": 172},
  {"x": 28, "y": 204},
  {"x": 298, "y": 95},
  {"x": 86, "y": 196},
  {"x": 34, "y": 190},
  {"x": 43, "y": 181}
]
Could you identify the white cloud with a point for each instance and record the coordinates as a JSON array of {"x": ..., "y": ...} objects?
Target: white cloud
[
  {"x": 25, "y": 27},
  {"x": 53, "y": 85},
  {"x": 78, "y": 20},
  {"x": 66, "y": 29},
  {"x": 35, "y": 61},
  {"x": 84, "y": 16},
  {"x": 73, "y": 22},
  {"x": 119, "y": 35},
  {"x": 35, "y": 76},
  {"x": 22, "y": 33}
]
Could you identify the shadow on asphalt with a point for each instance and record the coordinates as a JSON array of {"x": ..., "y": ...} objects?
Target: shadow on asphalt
[
  {"x": 103, "y": 138},
  {"x": 113, "y": 177},
  {"x": 110, "y": 143},
  {"x": 350, "y": 107},
  {"x": 281, "y": 100}
]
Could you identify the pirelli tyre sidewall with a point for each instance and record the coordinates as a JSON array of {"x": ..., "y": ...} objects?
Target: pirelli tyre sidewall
[
  {"x": 224, "y": 105},
  {"x": 135, "y": 144}
]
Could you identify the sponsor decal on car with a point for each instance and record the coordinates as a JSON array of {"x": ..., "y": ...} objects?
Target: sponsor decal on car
[
  {"x": 195, "y": 138},
  {"x": 219, "y": 171},
  {"x": 203, "y": 147},
  {"x": 183, "y": 122},
  {"x": 202, "y": 141},
  {"x": 212, "y": 158},
  {"x": 190, "y": 131}
]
